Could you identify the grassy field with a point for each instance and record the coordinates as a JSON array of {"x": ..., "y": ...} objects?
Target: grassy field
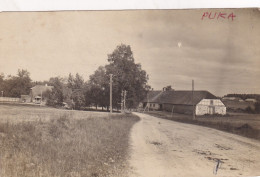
[
  {"x": 37, "y": 141},
  {"x": 247, "y": 125}
]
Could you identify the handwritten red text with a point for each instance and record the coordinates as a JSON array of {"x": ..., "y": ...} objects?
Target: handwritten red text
[{"x": 218, "y": 15}]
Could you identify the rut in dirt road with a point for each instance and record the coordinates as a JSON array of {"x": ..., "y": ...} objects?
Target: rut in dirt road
[{"x": 163, "y": 148}]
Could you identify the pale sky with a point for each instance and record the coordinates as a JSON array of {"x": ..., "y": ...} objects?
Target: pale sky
[{"x": 173, "y": 46}]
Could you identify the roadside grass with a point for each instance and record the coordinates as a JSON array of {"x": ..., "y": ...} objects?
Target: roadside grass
[
  {"x": 19, "y": 113},
  {"x": 247, "y": 125},
  {"x": 68, "y": 144}
]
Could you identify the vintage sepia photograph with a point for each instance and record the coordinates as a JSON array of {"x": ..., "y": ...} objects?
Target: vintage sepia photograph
[{"x": 130, "y": 93}]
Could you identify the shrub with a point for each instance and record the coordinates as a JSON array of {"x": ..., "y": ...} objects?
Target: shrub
[
  {"x": 257, "y": 107},
  {"x": 249, "y": 110}
]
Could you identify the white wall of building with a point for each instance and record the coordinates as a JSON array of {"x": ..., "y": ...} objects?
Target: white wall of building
[
  {"x": 154, "y": 106},
  {"x": 210, "y": 106}
]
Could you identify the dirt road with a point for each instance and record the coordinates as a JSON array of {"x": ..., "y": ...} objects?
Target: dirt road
[{"x": 163, "y": 148}]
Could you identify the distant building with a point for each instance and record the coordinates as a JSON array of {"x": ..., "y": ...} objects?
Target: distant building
[
  {"x": 37, "y": 93},
  {"x": 180, "y": 101}
]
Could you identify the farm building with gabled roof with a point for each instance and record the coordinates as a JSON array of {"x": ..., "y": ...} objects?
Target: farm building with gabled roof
[
  {"x": 181, "y": 101},
  {"x": 38, "y": 91}
]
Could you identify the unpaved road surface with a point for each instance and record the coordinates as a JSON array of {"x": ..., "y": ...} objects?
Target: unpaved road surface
[{"x": 163, "y": 148}]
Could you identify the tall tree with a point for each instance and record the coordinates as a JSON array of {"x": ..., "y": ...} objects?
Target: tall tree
[
  {"x": 56, "y": 96},
  {"x": 76, "y": 85},
  {"x": 70, "y": 81},
  {"x": 78, "y": 82},
  {"x": 98, "y": 88},
  {"x": 127, "y": 75}
]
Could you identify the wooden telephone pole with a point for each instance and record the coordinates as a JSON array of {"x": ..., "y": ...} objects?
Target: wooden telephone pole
[
  {"x": 123, "y": 100},
  {"x": 111, "y": 108},
  {"x": 193, "y": 110}
]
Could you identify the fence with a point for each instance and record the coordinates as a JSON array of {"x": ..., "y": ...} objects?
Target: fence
[{"x": 9, "y": 99}]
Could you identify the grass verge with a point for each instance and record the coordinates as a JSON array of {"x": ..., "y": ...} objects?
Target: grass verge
[
  {"x": 244, "y": 126},
  {"x": 66, "y": 147}
]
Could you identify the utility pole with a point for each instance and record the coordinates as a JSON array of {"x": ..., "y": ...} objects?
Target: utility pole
[
  {"x": 111, "y": 108},
  {"x": 124, "y": 99},
  {"x": 41, "y": 96},
  {"x": 193, "y": 110},
  {"x": 172, "y": 110},
  {"x": 148, "y": 104}
]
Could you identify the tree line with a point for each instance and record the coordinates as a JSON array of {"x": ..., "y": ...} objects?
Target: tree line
[
  {"x": 15, "y": 86},
  {"x": 73, "y": 90},
  {"x": 244, "y": 96}
]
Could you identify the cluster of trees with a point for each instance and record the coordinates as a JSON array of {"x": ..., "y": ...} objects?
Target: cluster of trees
[
  {"x": 127, "y": 75},
  {"x": 70, "y": 90},
  {"x": 15, "y": 86},
  {"x": 249, "y": 109},
  {"x": 244, "y": 96}
]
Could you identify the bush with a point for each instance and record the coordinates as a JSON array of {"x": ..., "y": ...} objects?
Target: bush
[
  {"x": 249, "y": 110},
  {"x": 257, "y": 107}
]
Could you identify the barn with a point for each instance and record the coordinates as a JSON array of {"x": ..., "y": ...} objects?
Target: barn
[{"x": 181, "y": 101}]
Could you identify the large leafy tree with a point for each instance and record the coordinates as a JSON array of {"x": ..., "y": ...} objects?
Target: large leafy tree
[
  {"x": 127, "y": 75},
  {"x": 76, "y": 85},
  {"x": 70, "y": 83}
]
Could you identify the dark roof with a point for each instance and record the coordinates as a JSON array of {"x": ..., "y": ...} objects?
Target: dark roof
[{"x": 178, "y": 97}]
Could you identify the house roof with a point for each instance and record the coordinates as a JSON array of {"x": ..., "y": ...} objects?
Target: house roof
[
  {"x": 39, "y": 89},
  {"x": 178, "y": 97},
  {"x": 42, "y": 87}
]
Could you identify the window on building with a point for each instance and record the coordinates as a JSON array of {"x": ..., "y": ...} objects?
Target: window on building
[{"x": 211, "y": 102}]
